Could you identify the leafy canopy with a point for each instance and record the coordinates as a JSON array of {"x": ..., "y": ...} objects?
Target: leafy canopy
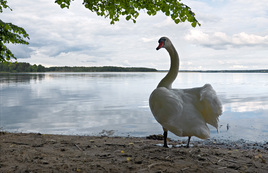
[
  {"x": 113, "y": 9},
  {"x": 10, "y": 33}
]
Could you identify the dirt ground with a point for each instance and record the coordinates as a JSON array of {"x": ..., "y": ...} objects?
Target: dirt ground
[{"x": 20, "y": 152}]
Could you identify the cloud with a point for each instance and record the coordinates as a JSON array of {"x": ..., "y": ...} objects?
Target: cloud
[
  {"x": 78, "y": 37},
  {"x": 220, "y": 40},
  {"x": 20, "y": 51},
  {"x": 245, "y": 39}
]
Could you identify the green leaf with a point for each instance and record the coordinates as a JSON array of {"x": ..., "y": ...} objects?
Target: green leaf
[
  {"x": 177, "y": 21},
  {"x": 62, "y": 6},
  {"x": 167, "y": 13},
  {"x": 194, "y": 24},
  {"x": 128, "y": 17}
]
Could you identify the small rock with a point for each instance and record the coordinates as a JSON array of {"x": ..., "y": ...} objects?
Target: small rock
[
  {"x": 45, "y": 162},
  {"x": 138, "y": 162}
]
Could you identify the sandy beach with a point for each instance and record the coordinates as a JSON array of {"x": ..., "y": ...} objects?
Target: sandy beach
[{"x": 35, "y": 152}]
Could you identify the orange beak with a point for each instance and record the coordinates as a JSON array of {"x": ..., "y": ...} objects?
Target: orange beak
[{"x": 161, "y": 44}]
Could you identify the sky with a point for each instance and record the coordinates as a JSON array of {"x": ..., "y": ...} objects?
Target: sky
[{"x": 233, "y": 36}]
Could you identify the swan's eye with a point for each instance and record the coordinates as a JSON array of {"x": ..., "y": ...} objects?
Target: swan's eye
[{"x": 162, "y": 40}]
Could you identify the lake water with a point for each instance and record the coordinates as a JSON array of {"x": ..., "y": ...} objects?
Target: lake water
[{"x": 117, "y": 103}]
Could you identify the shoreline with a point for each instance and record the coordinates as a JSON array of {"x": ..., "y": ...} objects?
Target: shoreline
[{"x": 35, "y": 152}]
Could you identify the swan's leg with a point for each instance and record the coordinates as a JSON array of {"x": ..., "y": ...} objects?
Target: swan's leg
[
  {"x": 165, "y": 138},
  {"x": 189, "y": 138}
]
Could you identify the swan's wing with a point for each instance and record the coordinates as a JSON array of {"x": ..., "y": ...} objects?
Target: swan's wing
[
  {"x": 211, "y": 107},
  {"x": 165, "y": 105},
  {"x": 179, "y": 111}
]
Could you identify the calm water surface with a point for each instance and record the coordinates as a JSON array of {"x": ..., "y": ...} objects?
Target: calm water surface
[{"x": 98, "y": 103}]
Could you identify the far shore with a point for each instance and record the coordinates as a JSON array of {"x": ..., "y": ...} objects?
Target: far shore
[{"x": 23, "y": 67}]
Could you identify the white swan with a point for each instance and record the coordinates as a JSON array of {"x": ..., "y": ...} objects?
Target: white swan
[{"x": 184, "y": 112}]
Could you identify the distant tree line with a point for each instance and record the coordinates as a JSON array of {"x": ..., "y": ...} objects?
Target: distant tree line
[
  {"x": 99, "y": 69},
  {"x": 19, "y": 67}
]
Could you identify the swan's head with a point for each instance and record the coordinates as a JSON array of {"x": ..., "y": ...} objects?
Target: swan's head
[{"x": 163, "y": 42}]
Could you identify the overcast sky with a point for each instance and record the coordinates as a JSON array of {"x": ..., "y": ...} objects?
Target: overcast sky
[{"x": 233, "y": 35}]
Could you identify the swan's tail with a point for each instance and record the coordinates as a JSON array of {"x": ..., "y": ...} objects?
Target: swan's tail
[{"x": 212, "y": 108}]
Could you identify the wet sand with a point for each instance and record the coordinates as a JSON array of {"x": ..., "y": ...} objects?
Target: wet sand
[{"x": 21, "y": 152}]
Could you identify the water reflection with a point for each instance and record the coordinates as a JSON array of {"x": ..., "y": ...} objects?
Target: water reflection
[
  {"x": 20, "y": 78},
  {"x": 87, "y": 103}
]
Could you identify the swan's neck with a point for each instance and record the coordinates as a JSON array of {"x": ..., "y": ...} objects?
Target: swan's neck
[{"x": 174, "y": 68}]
